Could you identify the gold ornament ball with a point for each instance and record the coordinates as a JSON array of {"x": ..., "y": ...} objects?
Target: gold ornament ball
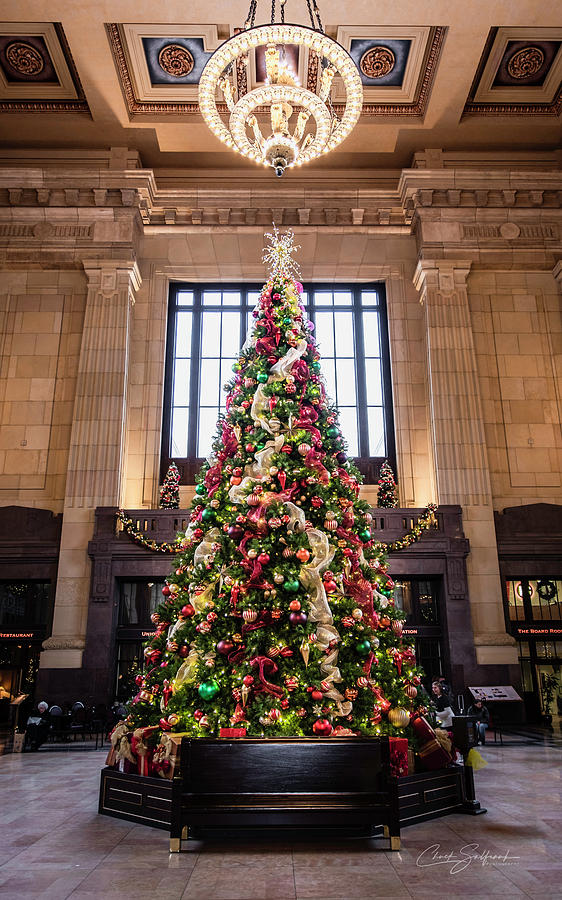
[
  {"x": 279, "y": 578},
  {"x": 357, "y": 613},
  {"x": 252, "y": 554},
  {"x": 398, "y": 716}
]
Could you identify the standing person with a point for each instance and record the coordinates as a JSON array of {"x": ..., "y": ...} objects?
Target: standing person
[
  {"x": 442, "y": 703},
  {"x": 480, "y": 711}
]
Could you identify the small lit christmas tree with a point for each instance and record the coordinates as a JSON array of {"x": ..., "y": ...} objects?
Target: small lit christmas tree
[
  {"x": 170, "y": 491},
  {"x": 387, "y": 497},
  {"x": 278, "y": 617}
]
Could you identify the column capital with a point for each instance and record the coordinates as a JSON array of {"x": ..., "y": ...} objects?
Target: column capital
[
  {"x": 557, "y": 272},
  {"x": 108, "y": 275},
  {"x": 445, "y": 275}
]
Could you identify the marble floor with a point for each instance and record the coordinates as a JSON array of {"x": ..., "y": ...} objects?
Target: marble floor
[{"x": 54, "y": 845}]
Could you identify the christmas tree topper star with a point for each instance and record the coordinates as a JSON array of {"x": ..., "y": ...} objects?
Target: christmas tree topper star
[{"x": 278, "y": 255}]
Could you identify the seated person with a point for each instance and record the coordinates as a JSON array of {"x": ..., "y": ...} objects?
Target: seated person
[{"x": 483, "y": 719}]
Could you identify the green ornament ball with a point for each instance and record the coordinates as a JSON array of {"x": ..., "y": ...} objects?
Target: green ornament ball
[
  {"x": 363, "y": 648},
  {"x": 236, "y": 367},
  {"x": 287, "y": 320},
  {"x": 208, "y": 515},
  {"x": 315, "y": 366},
  {"x": 262, "y": 377},
  {"x": 260, "y": 446},
  {"x": 208, "y": 689},
  {"x": 365, "y": 535},
  {"x": 291, "y": 584},
  {"x": 200, "y": 489},
  {"x": 333, "y": 431}
]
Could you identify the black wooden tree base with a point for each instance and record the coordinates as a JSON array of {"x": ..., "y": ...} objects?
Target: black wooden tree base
[{"x": 148, "y": 800}]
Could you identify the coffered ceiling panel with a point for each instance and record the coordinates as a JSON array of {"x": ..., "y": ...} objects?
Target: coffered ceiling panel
[
  {"x": 160, "y": 65},
  {"x": 37, "y": 72},
  {"x": 397, "y": 65},
  {"x": 520, "y": 73}
]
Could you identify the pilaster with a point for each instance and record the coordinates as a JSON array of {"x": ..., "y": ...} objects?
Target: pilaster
[
  {"x": 459, "y": 448},
  {"x": 95, "y": 465}
]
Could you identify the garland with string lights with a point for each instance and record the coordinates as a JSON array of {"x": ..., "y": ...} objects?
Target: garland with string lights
[
  {"x": 140, "y": 538},
  {"x": 425, "y": 521}
]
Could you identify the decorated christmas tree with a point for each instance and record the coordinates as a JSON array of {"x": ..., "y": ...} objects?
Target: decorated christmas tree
[
  {"x": 387, "y": 496},
  {"x": 278, "y": 617},
  {"x": 170, "y": 492}
]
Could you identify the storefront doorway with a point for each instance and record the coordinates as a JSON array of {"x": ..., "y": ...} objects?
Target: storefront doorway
[
  {"x": 138, "y": 599},
  {"x": 26, "y": 609},
  {"x": 534, "y": 609}
]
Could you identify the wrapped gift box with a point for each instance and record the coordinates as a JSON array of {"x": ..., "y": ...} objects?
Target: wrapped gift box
[
  {"x": 232, "y": 732},
  {"x": 432, "y": 755}
]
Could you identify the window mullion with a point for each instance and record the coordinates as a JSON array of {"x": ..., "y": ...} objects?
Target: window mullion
[
  {"x": 361, "y": 375},
  {"x": 193, "y": 419},
  {"x": 387, "y": 406}
]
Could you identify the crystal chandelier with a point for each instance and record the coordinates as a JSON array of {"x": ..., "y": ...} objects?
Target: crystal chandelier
[{"x": 280, "y": 123}]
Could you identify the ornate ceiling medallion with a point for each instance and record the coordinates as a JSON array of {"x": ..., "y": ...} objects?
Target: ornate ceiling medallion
[
  {"x": 526, "y": 62},
  {"x": 176, "y": 60},
  {"x": 24, "y": 59},
  {"x": 300, "y": 123},
  {"x": 377, "y": 62}
]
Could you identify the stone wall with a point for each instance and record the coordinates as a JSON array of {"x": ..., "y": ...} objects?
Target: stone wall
[{"x": 471, "y": 263}]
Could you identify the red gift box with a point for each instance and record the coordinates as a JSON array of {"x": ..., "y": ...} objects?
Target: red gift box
[
  {"x": 232, "y": 732},
  {"x": 398, "y": 756},
  {"x": 432, "y": 754}
]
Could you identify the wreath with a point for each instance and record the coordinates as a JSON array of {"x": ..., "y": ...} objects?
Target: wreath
[{"x": 546, "y": 590}]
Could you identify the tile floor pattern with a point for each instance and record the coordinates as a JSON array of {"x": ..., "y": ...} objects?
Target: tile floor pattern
[{"x": 54, "y": 845}]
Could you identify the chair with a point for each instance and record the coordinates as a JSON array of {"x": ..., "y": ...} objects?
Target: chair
[
  {"x": 78, "y": 720},
  {"x": 58, "y": 723}
]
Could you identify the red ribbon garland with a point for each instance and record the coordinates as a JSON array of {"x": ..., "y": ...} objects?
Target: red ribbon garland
[{"x": 265, "y": 664}]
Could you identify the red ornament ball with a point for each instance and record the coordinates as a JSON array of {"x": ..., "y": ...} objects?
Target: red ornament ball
[
  {"x": 225, "y": 647},
  {"x": 298, "y": 618},
  {"x": 166, "y": 590},
  {"x": 303, "y": 554},
  {"x": 198, "y": 715},
  {"x": 322, "y": 728},
  {"x": 188, "y": 610},
  {"x": 263, "y": 558},
  {"x": 183, "y": 651},
  {"x": 248, "y": 680},
  {"x": 295, "y": 605},
  {"x": 317, "y": 695}
]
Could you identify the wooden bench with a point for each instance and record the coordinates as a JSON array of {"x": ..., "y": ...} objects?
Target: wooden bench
[{"x": 284, "y": 783}]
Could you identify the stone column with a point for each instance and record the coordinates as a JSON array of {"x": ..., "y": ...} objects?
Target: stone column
[
  {"x": 459, "y": 448},
  {"x": 95, "y": 465}
]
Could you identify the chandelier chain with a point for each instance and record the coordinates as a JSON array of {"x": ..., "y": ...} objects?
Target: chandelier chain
[
  {"x": 311, "y": 14},
  {"x": 273, "y": 12},
  {"x": 317, "y": 11}
]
